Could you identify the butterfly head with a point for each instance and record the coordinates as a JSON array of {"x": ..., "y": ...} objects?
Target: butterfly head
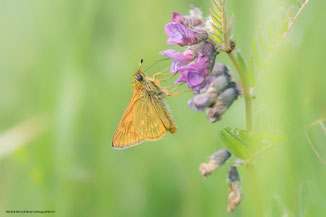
[{"x": 139, "y": 77}]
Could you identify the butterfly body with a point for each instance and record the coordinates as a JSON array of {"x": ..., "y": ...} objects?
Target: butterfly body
[{"x": 147, "y": 117}]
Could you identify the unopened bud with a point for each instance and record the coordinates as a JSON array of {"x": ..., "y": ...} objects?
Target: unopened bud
[
  {"x": 193, "y": 20},
  {"x": 221, "y": 157},
  {"x": 219, "y": 84},
  {"x": 216, "y": 160},
  {"x": 201, "y": 101},
  {"x": 223, "y": 102},
  {"x": 219, "y": 69}
]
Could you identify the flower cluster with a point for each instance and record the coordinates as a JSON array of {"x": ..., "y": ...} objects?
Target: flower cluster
[
  {"x": 197, "y": 66},
  {"x": 218, "y": 95},
  {"x": 196, "y": 62}
]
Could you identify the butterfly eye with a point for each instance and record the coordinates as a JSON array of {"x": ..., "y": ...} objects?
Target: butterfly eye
[{"x": 139, "y": 78}]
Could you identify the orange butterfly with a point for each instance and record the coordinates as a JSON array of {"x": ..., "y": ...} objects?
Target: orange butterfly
[{"x": 147, "y": 117}]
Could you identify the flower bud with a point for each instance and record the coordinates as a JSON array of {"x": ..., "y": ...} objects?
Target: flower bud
[
  {"x": 216, "y": 160},
  {"x": 219, "y": 69},
  {"x": 201, "y": 101},
  {"x": 218, "y": 84},
  {"x": 188, "y": 21},
  {"x": 235, "y": 190},
  {"x": 223, "y": 102},
  {"x": 221, "y": 157}
]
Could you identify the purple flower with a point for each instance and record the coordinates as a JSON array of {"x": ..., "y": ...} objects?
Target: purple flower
[
  {"x": 176, "y": 17},
  {"x": 194, "y": 50},
  {"x": 181, "y": 35},
  {"x": 208, "y": 52},
  {"x": 179, "y": 59},
  {"x": 194, "y": 74}
]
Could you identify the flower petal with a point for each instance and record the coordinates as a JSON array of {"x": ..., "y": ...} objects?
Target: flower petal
[
  {"x": 176, "y": 17},
  {"x": 195, "y": 79},
  {"x": 176, "y": 65},
  {"x": 175, "y": 55},
  {"x": 179, "y": 34}
]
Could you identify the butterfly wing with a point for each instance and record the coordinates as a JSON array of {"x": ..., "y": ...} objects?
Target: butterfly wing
[
  {"x": 147, "y": 121},
  {"x": 146, "y": 118},
  {"x": 164, "y": 114},
  {"x": 125, "y": 135}
]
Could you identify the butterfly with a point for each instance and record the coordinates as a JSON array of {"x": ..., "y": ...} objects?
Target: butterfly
[{"x": 147, "y": 118}]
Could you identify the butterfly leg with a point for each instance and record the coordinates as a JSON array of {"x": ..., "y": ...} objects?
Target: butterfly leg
[
  {"x": 177, "y": 93},
  {"x": 160, "y": 73},
  {"x": 167, "y": 78},
  {"x": 175, "y": 86}
]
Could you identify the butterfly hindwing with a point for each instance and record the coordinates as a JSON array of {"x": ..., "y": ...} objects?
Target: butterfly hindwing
[
  {"x": 164, "y": 114},
  {"x": 147, "y": 121}
]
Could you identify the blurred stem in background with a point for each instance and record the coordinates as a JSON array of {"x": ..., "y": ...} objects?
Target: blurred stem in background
[{"x": 246, "y": 92}]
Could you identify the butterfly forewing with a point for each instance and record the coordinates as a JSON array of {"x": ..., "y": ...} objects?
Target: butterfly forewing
[{"x": 125, "y": 135}]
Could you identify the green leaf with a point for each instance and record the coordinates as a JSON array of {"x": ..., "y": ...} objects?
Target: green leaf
[
  {"x": 215, "y": 14},
  {"x": 290, "y": 12},
  {"x": 285, "y": 26},
  {"x": 283, "y": 14},
  {"x": 217, "y": 30},
  {"x": 278, "y": 29},
  {"x": 251, "y": 72},
  {"x": 216, "y": 21},
  {"x": 217, "y": 39},
  {"x": 261, "y": 38},
  {"x": 216, "y": 6},
  {"x": 241, "y": 61},
  {"x": 255, "y": 52},
  {"x": 245, "y": 144},
  {"x": 232, "y": 144}
]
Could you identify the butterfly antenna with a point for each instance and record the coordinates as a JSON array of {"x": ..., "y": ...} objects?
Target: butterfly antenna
[
  {"x": 155, "y": 63},
  {"x": 141, "y": 62}
]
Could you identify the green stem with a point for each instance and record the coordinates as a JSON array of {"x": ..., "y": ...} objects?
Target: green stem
[
  {"x": 254, "y": 189},
  {"x": 246, "y": 93},
  {"x": 252, "y": 175}
]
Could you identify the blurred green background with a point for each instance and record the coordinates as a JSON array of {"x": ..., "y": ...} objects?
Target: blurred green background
[{"x": 73, "y": 61}]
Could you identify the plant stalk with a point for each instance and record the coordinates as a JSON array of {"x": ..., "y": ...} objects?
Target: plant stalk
[
  {"x": 254, "y": 189},
  {"x": 245, "y": 87}
]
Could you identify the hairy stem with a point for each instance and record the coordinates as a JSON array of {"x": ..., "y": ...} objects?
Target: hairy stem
[{"x": 246, "y": 93}]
